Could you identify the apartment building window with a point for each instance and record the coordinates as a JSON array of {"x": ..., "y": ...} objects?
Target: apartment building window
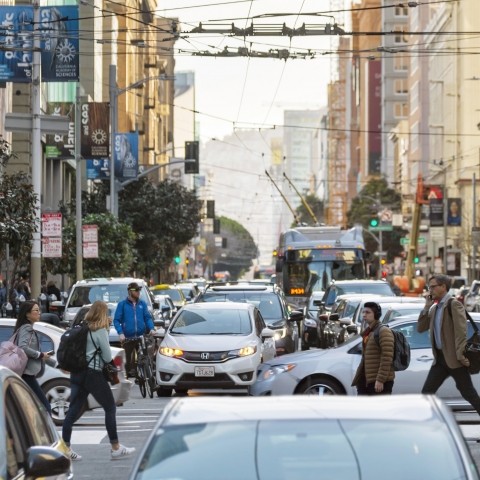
[
  {"x": 401, "y": 86},
  {"x": 400, "y": 63},
  {"x": 400, "y": 110},
  {"x": 400, "y": 37},
  {"x": 401, "y": 11}
]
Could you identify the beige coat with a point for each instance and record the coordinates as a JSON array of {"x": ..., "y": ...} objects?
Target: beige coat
[
  {"x": 453, "y": 332},
  {"x": 377, "y": 360}
]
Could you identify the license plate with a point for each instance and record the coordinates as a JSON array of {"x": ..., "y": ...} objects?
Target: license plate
[{"x": 204, "y": 371}]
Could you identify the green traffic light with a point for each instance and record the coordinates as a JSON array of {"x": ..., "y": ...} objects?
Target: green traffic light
[
  {"x": 374, "y": 222},
  {"x": 177, "y": 259},
  {"x": 416, "y": 260}
]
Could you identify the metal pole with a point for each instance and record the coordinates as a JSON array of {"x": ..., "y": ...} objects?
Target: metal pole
[
  {"x": 474, "y": 233},
  {"x": 445, "y": 218},
  {"x": 113, "y": 130},
  {"x": 78, "y": 187},
  {"x": 36, "y": 149}
]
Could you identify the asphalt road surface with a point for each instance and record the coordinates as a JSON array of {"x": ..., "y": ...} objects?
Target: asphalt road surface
[{"x": 135, "y": 421}]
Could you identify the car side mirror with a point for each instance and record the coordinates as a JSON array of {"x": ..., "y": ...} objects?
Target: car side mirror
[
  {"x": 352, "y": 329},
  {"x": 296, "y": 316},
  {"x": 267, "y": 333},
  {"x": 334, "y": 317}
]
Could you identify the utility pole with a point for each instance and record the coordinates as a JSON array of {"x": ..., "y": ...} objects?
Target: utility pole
[
  {"x": 36, "y": 149},
  {"x": 78, "y": 186}
]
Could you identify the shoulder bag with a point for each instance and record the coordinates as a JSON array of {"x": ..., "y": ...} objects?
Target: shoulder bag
[
  {"x": 12, "y": 356},
  {"x": 472, "y": 348}
]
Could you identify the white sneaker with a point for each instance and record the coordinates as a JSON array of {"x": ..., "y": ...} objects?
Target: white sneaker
[
  {"x": 122, "y": 452},
  {"x": 74, "y": 456}
]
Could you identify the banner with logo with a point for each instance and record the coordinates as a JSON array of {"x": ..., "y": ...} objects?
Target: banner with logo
[
  {"x": 95, "y": 137},
  {"x": 435, "y": 198},
  {"x": 126, "y": 155},
  {"x": 61, "y": 145},
  {"x": 59, "y": 43},
  {"x": 98, "y": 169}
]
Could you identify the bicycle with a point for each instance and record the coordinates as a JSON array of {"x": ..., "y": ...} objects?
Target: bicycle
[{"x": 146, "y": 372}]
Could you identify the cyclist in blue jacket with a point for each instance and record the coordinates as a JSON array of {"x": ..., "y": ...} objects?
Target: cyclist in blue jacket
[{"x": 132, "y": 319}]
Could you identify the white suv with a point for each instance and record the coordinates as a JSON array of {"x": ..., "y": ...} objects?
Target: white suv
[{"x": 110, "y": 290}]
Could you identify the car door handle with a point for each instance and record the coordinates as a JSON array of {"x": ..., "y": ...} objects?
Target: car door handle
[{"x": 425, "y": 358}]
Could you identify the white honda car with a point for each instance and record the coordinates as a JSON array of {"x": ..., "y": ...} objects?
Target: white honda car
[{"x": 213, "y": 345}]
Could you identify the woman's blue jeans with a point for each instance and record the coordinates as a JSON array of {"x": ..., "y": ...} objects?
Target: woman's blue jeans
[{"x": 82, "y": 384}]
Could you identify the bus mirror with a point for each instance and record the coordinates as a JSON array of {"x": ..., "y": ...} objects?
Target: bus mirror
[{"x": 279, "y": 265}]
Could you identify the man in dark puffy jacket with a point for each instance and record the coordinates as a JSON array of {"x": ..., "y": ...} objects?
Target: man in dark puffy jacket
[
  {"x": 132, "y": 319},
  {"x": 375, "y": 373}
]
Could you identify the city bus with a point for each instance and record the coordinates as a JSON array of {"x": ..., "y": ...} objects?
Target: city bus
[{"x": 309, "y": 258}]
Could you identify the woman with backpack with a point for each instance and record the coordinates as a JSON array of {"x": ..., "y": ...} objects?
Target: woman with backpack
[
  {"x": 92, "y": 381},
  {"x": 375, "y": 374}
]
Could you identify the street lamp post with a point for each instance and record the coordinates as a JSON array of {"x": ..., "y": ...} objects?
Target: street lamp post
[{"x": 114, "y": 93}]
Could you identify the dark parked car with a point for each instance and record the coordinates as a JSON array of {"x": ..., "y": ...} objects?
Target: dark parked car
[
  {"x": 272, "y": 305},
  {"x": 30, "y": 446}
]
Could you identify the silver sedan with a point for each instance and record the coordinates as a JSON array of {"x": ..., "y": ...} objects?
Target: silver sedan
[
  {"x": 55, "y": 382},
  {"x": 331, "y": 371}
]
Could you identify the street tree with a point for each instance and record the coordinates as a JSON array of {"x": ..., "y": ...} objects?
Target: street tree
[
  {"x": 317, "y": 207},
  {"x": 373, "y": 198},
  {"x": 236, "y": 253},
  {"x": 17, "y": 213},
  {"x": 116, "y": 252},
  {"x": 165, "y": 217}
]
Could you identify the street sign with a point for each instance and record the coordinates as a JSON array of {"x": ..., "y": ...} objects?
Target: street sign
[
  {"x": 406, "y": 240},
  {"x": 381, "y": 228}
]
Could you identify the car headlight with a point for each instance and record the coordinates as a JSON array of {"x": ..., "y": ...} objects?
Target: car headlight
[
  {"x": 308, "y": 322},
  {"x": 280, "y": 333},
  {"x": 277, "y": 370},
  {"x": 243, "y": 352},
  {"x": 171, "y": 352}
]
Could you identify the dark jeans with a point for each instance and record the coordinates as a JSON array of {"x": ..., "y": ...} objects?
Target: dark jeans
[
  {"x": 369, "y": 389},
  {"x": 130, "y": 347},
  {"x": 463, "y": 381},
  {"x": 32, "y": 382},
  {"x": 82, "y": 384}
]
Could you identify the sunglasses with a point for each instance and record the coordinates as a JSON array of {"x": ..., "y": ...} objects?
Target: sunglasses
[{"x": 135, "y": 289}]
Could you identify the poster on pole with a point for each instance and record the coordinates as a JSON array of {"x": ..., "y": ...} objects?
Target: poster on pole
[
  {"x": 435, "y": 201},
  {"x": 52, "y": 224},
  {"x": 90, "y": 250},
  {"x": 90, "y": 233},
  {"x": 61, "y": 145},
  {"x": 52, "y": 247}
]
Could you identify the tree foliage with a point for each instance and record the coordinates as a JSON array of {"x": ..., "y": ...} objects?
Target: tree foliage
[
  {"x": 317, "y": 207},
  {"x": 373, "y": 198},
  {"x": 115, "y": 248},
  {"x": 239, "y": 252},
  {"x": 164, "y": 217},
  {"x": 17, "y": 213}
]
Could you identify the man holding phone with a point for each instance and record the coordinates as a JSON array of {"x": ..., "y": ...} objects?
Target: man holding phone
[{"x": 445, "y": 317}]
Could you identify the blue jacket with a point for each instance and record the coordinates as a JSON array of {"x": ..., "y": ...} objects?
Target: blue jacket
[{"x": 132, "y": 320}]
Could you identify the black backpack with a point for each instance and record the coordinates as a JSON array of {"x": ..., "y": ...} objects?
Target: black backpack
[
  {"x": 72, "y": 351},
  {"x": 401, "y": 350}
]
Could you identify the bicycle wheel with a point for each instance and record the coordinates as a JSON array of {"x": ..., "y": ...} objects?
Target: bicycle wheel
[
  {"x": 141, "y": 377},
  {"x": 150, "y": 382}
]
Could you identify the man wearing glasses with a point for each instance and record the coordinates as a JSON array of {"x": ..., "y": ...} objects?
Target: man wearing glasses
[
  {"x": 448, "y": 334},
  {"x": 132, "y": 319}
]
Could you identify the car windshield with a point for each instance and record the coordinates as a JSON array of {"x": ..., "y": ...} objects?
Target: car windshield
[
  {"x": 173, "y": 293},
  {"x": 306, "y": 449},
  {"x": 212, "y": 322},
  {"x": 267, "y": 303},
  {"x": 112, "y": 293}
]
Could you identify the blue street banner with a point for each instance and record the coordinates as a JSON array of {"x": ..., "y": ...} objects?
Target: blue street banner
[
  {"x": 126, "y": 155},
  {"x": 59, "y": 43},
  {"x": 98, "y": 169}
]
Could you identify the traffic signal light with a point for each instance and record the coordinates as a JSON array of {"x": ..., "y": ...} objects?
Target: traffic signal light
[
  {"x": 210, "y": 208},
  {"x": 192, "y": 153},
  {"x": 374, "y": 222},
  {"x": 416, "y": 260},
  {"x": 383, "y": 261},
  {"x": 187, "y": 261},
  {"x": 216, "y": 225},
  {"x": 177, "y": 259}
]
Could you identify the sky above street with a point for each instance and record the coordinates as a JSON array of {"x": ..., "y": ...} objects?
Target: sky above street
[{"x": 242, "y": 92}]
